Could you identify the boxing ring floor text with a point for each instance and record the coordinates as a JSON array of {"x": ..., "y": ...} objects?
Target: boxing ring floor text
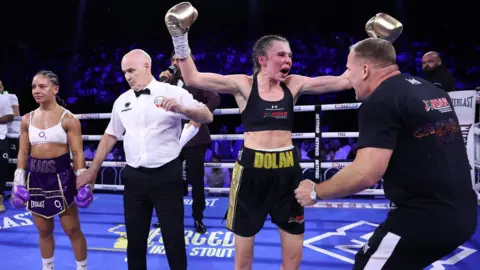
[{"x": 335, "y": 230}]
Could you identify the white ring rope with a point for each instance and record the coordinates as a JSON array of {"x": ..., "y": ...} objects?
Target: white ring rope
[
  {"x": 234, "y": 137},
  {"x": 231, "y": 111},
  {"x": 305, "y": 165}
]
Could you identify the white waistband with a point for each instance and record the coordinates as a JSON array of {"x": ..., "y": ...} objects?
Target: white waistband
[{"x": 276, "y": 149}]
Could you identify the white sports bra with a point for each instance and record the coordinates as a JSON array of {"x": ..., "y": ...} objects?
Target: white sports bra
[{"x": 55, "y": 134}]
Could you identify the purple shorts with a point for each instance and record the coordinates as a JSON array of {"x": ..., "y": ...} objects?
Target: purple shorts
[{"x": 52, "y": 185}]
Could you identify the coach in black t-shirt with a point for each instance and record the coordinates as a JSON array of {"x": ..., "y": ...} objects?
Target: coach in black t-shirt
[{"x": 410, "y": 136}]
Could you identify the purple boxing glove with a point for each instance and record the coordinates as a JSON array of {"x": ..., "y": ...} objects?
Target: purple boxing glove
[
  {"x": 84, "y": 197},
  {"x": 20, "y": 196}
]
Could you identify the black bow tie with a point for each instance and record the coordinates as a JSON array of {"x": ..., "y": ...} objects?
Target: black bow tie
[{"x": 145, "y": 91}]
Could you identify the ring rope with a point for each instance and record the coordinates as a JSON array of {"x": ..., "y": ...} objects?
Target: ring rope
[
  {"x": 233, "y": 137},
  {"x": 304, "y": 165},
  {"x": 339, "y": 165},
  {"x": 231, "y": 111}
]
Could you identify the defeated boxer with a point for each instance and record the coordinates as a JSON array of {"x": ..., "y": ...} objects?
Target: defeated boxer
[{"x": 44, "y": 180}]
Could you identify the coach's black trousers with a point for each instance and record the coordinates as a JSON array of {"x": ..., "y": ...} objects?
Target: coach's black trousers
[
  {"x": 4, "y": 170},
  {"x": 145, "y": 189},
  {"x": 195, "y": 158},
  {"x": 416, "y": 246}
]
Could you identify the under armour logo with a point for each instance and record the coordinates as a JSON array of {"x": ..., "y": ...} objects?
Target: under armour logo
[
  {"x": 274, "y": 107},
  {"x": 5, "y": 155}
]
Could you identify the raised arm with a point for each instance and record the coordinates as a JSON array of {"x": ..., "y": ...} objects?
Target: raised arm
[
  {"x": 179, "y": 20},
  {"x": 208, "y": 81},
  {"x": 321, "y": 84},
  {"x": 75, "y": 141}
]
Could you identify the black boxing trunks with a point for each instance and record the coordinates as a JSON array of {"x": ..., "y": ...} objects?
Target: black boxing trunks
[
  {"x": 263, "y": 182},
  {"x": 52, "y": 185}
]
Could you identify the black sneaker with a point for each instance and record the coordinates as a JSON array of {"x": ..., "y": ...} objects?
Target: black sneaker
[{"x": 200, "y": 227}]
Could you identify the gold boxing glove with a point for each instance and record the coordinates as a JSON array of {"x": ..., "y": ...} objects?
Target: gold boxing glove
[
  {"x": 178, "y": 20},
  {"x": 384, "y": 26}
]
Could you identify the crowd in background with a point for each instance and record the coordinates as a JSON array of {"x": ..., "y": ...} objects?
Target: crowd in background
[{"x": 94, "y": 80}]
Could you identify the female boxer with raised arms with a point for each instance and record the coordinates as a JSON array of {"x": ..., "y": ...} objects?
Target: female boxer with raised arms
[{"x": 267, "y": 170}]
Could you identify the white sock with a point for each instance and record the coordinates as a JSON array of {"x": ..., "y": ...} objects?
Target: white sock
[
  {"x": 47, "y": 264},
  {"x": 82, "y": 265}
]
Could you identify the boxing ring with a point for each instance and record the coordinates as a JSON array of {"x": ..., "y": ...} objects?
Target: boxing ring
[{"x": 335, "y": 229}]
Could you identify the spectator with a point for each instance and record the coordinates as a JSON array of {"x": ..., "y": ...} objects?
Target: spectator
[
  {"x": 436, "y": 72},
  {"x": 217, "y": 177}
]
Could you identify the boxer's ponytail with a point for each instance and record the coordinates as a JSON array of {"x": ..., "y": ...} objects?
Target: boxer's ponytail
[{"x": 60, "y": 101}]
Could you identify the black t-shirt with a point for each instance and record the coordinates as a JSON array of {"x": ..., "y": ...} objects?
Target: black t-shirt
[
  {"x": 428, "y": 176},
  {"x": 441, "y": 77}
]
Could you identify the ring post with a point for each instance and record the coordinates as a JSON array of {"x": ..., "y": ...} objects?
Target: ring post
[{"x": 318, "y": 140}]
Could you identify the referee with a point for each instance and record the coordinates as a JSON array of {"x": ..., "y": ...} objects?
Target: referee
[
  {"x": 149, "y": 117},
  {"x": 409, "y": 134}
]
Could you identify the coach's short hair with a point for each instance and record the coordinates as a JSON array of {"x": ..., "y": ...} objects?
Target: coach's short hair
[{"x": 377, "y": 50}]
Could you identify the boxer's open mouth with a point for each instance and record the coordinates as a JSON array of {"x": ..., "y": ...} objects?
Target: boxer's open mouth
[{"x": 284, "y": 71}]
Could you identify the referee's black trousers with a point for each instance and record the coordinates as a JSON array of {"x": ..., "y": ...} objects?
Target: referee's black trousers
[{"x": 145, "y": 189}]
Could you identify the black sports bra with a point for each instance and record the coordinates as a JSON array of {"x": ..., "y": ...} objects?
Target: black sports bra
[{"x": 260, "y": 115}]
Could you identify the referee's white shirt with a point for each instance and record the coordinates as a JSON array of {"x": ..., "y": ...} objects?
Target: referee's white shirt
[
  {"x": 5, "y": 109},
  {"x": 151, "y": 134}
]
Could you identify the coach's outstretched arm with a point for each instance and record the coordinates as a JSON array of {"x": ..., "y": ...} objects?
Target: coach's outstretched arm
[
  {"x": 375, "y": 146},
  {"x": 368, "y": 168}
]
